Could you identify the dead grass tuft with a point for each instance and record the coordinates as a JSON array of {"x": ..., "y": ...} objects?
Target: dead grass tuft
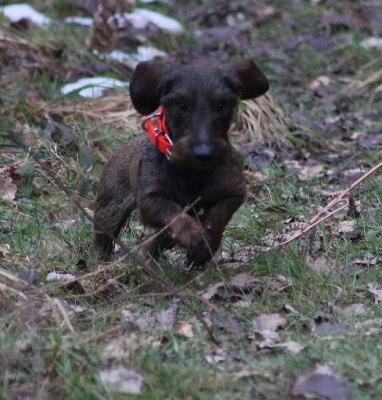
[
  {"x": 258, "y": 120},
  {"x": 116, "y": 110},
  {"x": 366, "y": 81}
]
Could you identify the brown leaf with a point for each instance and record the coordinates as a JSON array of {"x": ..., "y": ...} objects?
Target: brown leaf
[
  {"x": 185, "y": 329},
  {"x": 160, "y": 321},
  {"x": 8, "y": 189},
  {"x": 212, "y": 290},
  {"x": 321, "y": 381},
  {"x": 237, "y": 286},
  {"x": 319, "y": 82},
  {"x": 28, "y": 136},
  {"x": 258, "y": 176},
  {"x": 223, "y": 320}
]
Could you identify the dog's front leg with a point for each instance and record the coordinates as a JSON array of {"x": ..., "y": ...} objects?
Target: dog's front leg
[
  {"x": 158, "y": 211},
  {"x": 218, "y": 217}
]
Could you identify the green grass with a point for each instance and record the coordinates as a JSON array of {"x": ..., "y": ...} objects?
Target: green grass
[{"x": 42, "y": 355}]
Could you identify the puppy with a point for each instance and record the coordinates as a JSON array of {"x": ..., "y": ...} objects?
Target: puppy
[{"x": 185, "y": 160}]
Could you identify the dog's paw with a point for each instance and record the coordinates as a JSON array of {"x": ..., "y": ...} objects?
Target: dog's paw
[
  {"x": 199, "y": 252},
  {"x": 191, "y": 235}
]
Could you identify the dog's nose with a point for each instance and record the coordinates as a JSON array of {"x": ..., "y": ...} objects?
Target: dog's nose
[{"x": 203, "y": 152}]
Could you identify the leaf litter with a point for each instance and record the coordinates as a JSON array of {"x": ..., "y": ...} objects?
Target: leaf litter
[{"x": 272, "y": 135}]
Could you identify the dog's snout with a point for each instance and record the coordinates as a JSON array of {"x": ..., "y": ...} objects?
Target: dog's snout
[{"x": 203, "y": 152}]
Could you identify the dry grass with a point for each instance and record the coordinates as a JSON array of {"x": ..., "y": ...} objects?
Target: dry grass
[
  {"x": 257, "y": 120},
  {"x": 368, "y": 80}
]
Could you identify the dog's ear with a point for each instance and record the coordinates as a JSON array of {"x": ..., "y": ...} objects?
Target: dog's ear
[
  {"x": 253, "y": 82},
  {"x": 144, "y": 86}
]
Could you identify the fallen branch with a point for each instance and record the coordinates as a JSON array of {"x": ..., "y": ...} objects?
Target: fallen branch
[{"x": 327, "y": 211}]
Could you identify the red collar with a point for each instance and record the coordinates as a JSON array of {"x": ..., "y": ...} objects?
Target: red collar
[{"x": 159, "y": 135}]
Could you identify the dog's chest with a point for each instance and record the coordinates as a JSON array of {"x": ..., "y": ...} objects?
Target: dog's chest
[{"x": 189, "y": 186}]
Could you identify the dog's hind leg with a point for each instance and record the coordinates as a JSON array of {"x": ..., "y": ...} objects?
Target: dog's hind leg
[{"x": 111, "y": 214}]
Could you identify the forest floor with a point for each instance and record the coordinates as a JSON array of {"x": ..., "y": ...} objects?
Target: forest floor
[{"x": 285, "y": 309}]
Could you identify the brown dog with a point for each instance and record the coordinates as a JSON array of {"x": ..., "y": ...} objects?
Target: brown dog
[{"x": 200, "y": 165}]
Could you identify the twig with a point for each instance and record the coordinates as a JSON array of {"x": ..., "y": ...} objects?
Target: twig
[{"x": 324, "y": 213}]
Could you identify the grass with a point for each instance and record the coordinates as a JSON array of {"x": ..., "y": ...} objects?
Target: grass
[{"x": 43, "y": 356}]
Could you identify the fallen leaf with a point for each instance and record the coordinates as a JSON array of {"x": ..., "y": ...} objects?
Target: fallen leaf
[
  {"x": 66, "y": 225},
  {"x": 121, "y": 347},
  {"x": 346, "y": 226},
  {"x": 237, "y": 286},
  {"x": 366, "y": 261},
  {"x": 59, "y": 277},
  {"x": 319, "y": 264},
  {"x": 53, "y": 247},
  {"x": 321, "y": 381},
  {"x": 291, "y": 309},
  {"x": 258, "y": 176},
  {"x": 268, "y": 322},
  {"x": 8, "y": 189},
  {"x": 310, "y": 171},
  {"x": 266, "y": 325},
  {"x": 28, "y": 136},
  {"x": 212, "y": 290},
  {"x": 30, "y": 275},
  {"x": 353, "y": 309},
  {"x": 225, "y": 321},
  {"x": 320, "y": 81},
  {"x": 216, "y": 356},
  {"x": 278, "y": 284},
  {"x": 120, "y": 379},
  {"x": 376, "y": 292},
  {"x": 160, "y": 321},
  {"x": 185, "y": 329},
  {"x": 4, "y": 250},
  {"x": 293, "y": 347},
  {"x": 69, "y": 281}
]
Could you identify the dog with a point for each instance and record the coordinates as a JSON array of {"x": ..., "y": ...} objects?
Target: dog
[{"x": 186, "y": 160}]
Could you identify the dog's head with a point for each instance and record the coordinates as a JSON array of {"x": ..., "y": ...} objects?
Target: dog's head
[{"x": 199, "y": 101}]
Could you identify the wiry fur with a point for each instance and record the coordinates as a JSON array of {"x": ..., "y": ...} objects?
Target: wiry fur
[{"x": 199, "y": 101}]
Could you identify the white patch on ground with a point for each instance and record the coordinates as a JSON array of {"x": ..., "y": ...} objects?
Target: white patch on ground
[
  {"x": 141, "y": 17},
  {"x": 120, "y": 379},
  {"x": 142, "y": 54},
  {"x": 93, "y": 87},
  {"x": 372, "y": 43},
  {"x": 87, "y": 21},
  {"x": 15, "y": 12}
]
